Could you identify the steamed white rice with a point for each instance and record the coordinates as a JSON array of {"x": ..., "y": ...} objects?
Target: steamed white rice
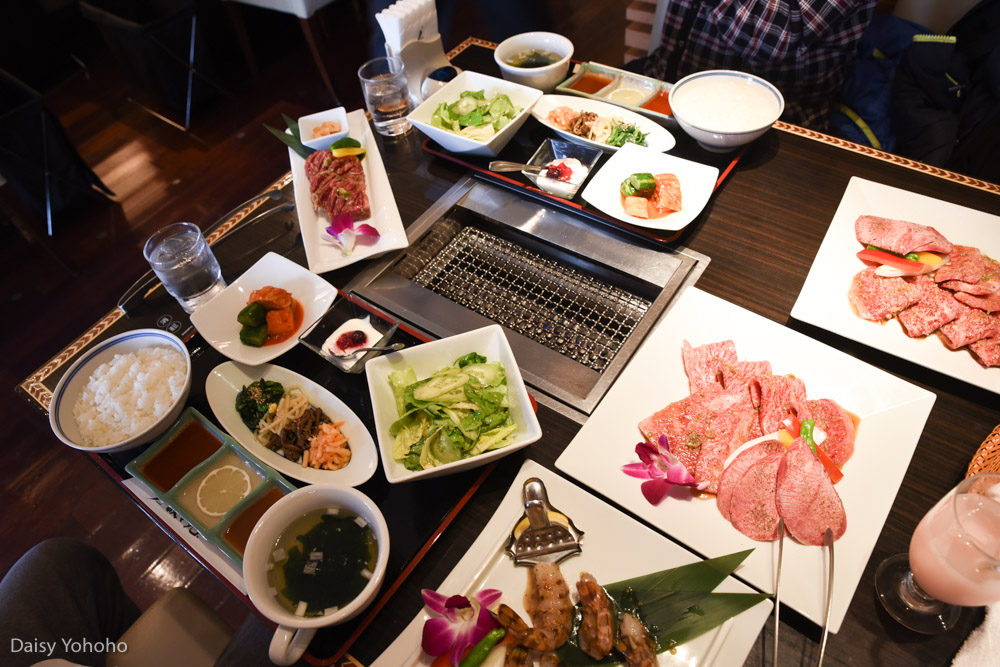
[{"x": 128, "y": 394}]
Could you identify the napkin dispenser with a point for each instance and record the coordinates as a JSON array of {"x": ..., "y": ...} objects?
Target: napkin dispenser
[{"x": 411, "y": 34}]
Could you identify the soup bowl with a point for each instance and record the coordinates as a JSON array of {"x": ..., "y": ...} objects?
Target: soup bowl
[
  {"x": 294, "y": 632},
  {"x": 725, "y": 109},
  {"x": 544, "y": 78}
]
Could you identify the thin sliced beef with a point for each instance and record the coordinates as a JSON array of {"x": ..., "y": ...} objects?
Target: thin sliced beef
[
  {"x": 936, "y": 307},
  {"x": 989, "y": 303},
  {"x": 805, "y": 497},
  {"x": 734, "y": 471},
  {"x": 982, "y": 288},
  {"x": 777, "y": 396},
  {"x": 970, "y": 326},
  {"x": 703, "y": 364},
  {"x": 753, "y": 509},
  {"x": 877, "y": 298},
  {"x": 734, "y": 427},
  {"x": 736, "y": 376},
  {"x": 986, "y": 351},
  {"x": 337, "y": 185},
  {"x": 965, "y": 264},
  {"x": 681, "y": 421},
  {"x": 899, "y": 236},
  {"x": 837, "y": 424}
]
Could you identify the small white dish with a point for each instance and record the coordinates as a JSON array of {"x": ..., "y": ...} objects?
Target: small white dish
[
  {"x": 697, "y": 184},
  {"x": 76, "y": 377},
  {"x": 543, "y": 78},
  {"x": 227, "y": 379},
  {"x": 216, "y": 321},
  {"x": 521, "y": 96},
  {"x": 321, "y": 254},
  {"x": 425, "y": 359},
  {"x": 309, "y": 123},
  {"x": 657, "y": 138}
]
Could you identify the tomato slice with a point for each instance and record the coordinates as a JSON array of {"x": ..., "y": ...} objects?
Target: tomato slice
[{"x": 907, "y": 266}]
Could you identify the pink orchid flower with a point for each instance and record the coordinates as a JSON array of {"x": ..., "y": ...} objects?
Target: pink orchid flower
[
  {"x": 661, "y": 469},
  {"x": 461, "y": 624},
  {"x": 343, "y": 232}
]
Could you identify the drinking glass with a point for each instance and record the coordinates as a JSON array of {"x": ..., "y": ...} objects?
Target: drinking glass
[
  {"x": 184, "y": 263},
  {"x": 954, "y": 559},
  {"x": 383, "y": 82}
]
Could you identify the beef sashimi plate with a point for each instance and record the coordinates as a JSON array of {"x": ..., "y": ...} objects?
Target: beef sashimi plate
[
  {"x": 778, "y": 366},
  {"x": 613, "y": 547},
  {"x": 378, "y": 208},
  {"x": 929, "y": 317}
]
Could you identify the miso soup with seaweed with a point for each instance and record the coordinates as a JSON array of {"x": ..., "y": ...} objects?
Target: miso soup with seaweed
[{"x": 322, "y": 561}]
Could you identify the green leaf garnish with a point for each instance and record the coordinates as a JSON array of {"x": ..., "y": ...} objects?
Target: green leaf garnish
[{"x": 292, "y": 140}]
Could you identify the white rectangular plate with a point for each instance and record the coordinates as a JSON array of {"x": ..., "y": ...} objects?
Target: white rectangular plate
[
  {"x": 615, "y": 547},
  {"x": 323, "y": 255},
  {"x": 823, "y": 300},
  {"x": 892, "y": 414}
]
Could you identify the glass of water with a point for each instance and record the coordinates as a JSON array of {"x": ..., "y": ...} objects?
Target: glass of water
[
  {"x": 184, "y": 263},
  {"x": 383, "y": 82}
]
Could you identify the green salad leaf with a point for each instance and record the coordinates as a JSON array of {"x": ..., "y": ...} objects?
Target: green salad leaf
[
  {"x": 459, "y": 411},
  {"x": 474, "y": 115}
]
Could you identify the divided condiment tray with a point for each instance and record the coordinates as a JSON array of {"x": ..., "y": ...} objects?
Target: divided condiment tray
[
  {"x": 642, "y": 94},
  {"x": 175, "y": 466}
]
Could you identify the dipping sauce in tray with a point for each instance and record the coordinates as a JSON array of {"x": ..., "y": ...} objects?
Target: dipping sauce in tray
[
  {"x": 193, "y": 444},
  {"x": 590, "y": 82},
  {"x": 660, "y": 103},
  {"x": 238, "y": 531}
]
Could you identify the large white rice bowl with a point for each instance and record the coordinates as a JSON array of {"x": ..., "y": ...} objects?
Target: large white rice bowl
[
  {"x": 724, "y": 109},
  {"x": 123, "y": 393}
]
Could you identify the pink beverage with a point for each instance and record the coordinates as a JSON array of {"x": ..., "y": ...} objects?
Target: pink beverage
[{"x": 945, "y": 561}]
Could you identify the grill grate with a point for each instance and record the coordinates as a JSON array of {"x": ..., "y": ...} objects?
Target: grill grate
[{"x": 574, "y": 314}]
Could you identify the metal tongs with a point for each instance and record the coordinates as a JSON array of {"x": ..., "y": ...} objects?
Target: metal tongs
[
  {"x": 828, "y": 543},
  {"x": 542, "y": 541}
]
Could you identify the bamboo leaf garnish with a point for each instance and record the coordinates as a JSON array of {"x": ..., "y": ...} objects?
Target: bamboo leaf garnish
[{"x": 292, "y": 140}]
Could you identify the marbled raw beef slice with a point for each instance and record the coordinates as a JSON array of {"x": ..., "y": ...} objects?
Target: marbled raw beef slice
[
  {"x": 989, "y": 303},
  {"x": 775, "y": 396},
  {"x": 986, "y": 351},
  {"x": 965, "y": 264},
  {"x": 735, "y": 376},
  {"x": 972, "y": 325},
  {"x": 680, "y": 422},
  {"x": 877, "y": 298},
  {"x": 838, "y": 425},
  {"x": 753, "y": 509},
  {"x": 805, "y": 497},
  {"x": 936, "y": 307},
  {"x": 899, "y": 236},
  {"x": 703, "y": 364},
  {"x": 734, "y": 471},
  {"x": 733, "y": 426}
]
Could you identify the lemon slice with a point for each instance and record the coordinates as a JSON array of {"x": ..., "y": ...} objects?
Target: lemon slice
[
  {"x": 344, "y": 152},
  {"x": 221, "y": 489}
]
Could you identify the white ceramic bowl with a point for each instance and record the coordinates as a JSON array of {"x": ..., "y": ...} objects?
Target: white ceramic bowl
[
  {"x": 491, "y": 342},
  {"x": 294, "y": 632},
  {"x": 522, "y": 96},
  {"x": 308, "y": 123},
  {"x": 724, "y": 109},
  {"x": 544, "y": 78},
  {"x": 72, "y": 384}
]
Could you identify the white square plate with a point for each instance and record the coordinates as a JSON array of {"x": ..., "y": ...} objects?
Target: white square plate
[
  {"x": 823, "y": 299},
  {"x": 892, "y": 412},
  {"x": 606, "y": 530},
  {"x": 427, "y": 358},
  {"x": 697, "y": 184},
  {"x": 216, "y": 320},
  {"x": 323, "y": 255}
]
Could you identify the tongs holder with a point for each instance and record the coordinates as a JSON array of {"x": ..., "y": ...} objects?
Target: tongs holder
[{"x": 542, "y": 540}]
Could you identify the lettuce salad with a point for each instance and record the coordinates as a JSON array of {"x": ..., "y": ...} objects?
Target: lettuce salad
[
  {"x": 458, "y": 412},
  {"x": 474, "y": 115}
]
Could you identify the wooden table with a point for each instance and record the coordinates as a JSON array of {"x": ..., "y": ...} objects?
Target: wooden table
[{"x": 761, "y": 229}]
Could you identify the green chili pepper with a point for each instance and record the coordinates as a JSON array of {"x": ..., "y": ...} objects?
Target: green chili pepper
[
  {"x": 806, "y": 433},
  {"x": 912, "y": 256},
  {"x": 639, "y": 185},
  {"x": 479, "y": 652}
]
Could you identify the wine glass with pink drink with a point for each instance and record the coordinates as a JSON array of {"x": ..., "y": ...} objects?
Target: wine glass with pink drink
[{"x": 954, "y": 559}]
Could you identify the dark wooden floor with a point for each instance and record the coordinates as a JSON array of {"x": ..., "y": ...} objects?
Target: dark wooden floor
[{"x": 53, "y": 288}]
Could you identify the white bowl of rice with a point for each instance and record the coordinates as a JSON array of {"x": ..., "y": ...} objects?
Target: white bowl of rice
[{"x": 122, "y": 393}]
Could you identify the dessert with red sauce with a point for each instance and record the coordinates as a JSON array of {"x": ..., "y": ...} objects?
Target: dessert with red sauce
[{"x": 350, "y": 336}]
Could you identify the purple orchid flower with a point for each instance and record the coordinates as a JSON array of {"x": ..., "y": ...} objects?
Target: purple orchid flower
[
  {"x": 343, "y": 232},
  {"x": 661, "y": 470},
  {"x": 461, "y": 624}
]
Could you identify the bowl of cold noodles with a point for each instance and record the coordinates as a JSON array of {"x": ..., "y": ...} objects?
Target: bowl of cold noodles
[
  {"x": 315, "y": 558},
  {"x": 123, "y": 392},
  {"x": 536, "y": 59}
]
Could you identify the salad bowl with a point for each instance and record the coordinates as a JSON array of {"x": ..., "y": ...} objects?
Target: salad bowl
[
  {"x": 522, "y": 97},
  {"x": 429, "y": 358}
]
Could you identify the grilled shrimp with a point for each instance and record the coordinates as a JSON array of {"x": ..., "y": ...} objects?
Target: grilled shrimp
[
  {"x": 547, "y": 600},
  {"x": 635, "y": 643},
  {"x": 521, "y": 656},
  {"x": 595, "y": 634}
]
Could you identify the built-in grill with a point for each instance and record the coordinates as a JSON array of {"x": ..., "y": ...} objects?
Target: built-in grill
[{"x": 576, "y": 297}]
